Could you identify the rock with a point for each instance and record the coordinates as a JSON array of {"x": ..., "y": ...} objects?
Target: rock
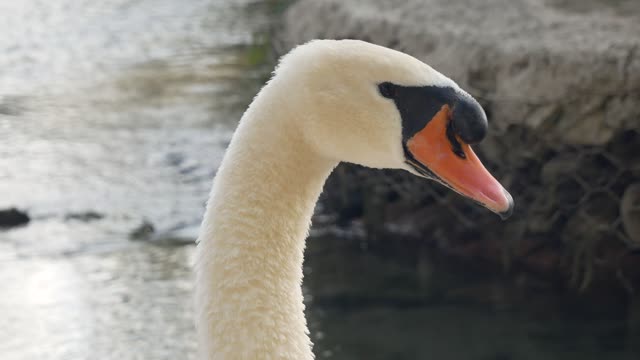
[
  {"x": 177, "y": 236},
  {"x": 86, "y": 216},
  {"x": 560, "y": 82},
  {"x": 625, "y": 147},
  {"x": 560, "y": 167},
  {"x": 602, "y": 209},
  {"x": 13, "y": 217},
  {"x": 543, "y": 64},
  {"x": 630, "y": 213},
  {"x": 143, "y": 232}
]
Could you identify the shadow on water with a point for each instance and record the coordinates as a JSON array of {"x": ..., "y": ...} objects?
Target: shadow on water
[{"x": 378, "y": 302}]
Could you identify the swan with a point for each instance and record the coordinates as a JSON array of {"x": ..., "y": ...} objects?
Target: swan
[{"x": 328, "y": 101}]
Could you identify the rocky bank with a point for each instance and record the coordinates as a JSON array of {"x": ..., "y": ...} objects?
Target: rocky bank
[
  {"x": 560, "y": 82},
  {"x": 569, "y": 68}
]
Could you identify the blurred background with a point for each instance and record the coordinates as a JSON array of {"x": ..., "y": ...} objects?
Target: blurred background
[{"x": 114, "y": 116}]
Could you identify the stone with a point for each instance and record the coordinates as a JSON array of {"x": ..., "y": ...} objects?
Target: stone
[
  {"x": 560, "y": 82},
  {"x": 85, "y": 216},
  {"x": 143, "y": 232},
  {"x": 559, "y": 167},
  {"x": 625, "y": 148},
  {"x": 13, "y": 217},
  {"x": 569, "y": 68},
  {"x": 630, "y": 213}
]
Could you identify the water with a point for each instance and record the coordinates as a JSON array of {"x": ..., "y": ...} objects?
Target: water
[
  {"x": 121, "y": 108},
  {"x": 382, "y": 304},
  {"x": 116, "y": 113}
]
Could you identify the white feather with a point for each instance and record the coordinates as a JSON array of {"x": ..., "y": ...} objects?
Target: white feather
[{"x": 321, "y": 107}]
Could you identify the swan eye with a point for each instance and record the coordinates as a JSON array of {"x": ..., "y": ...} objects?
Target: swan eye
[{"x": 387, "y": 90}]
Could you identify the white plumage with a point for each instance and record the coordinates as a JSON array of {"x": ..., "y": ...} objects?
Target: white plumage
[{"x": 322, "y": 106}]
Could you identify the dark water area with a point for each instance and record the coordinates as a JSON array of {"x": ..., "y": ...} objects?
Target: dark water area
[
  {"x": 380, "y": 303},
  {"x": 115, "y": 114}
]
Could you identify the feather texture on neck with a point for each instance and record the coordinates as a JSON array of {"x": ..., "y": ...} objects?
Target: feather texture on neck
[{"x": 249, "y": 259}]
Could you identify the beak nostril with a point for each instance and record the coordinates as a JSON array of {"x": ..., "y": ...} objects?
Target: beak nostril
[{"x": 456, "y": 147}]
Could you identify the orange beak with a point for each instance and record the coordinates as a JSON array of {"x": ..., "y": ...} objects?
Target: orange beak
[{"x": 459, "y": 168}]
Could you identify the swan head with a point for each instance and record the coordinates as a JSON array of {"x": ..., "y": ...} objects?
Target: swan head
[{"x": 366, "y": 104}]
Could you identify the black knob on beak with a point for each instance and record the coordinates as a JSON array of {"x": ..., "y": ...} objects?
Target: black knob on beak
[{"x": 468, "y": 120}]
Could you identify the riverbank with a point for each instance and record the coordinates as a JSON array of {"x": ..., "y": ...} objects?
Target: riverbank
[{"x": 565, "y": 136}]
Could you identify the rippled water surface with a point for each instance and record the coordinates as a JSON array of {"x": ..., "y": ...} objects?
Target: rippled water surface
[{"x": 112, "y": 113}]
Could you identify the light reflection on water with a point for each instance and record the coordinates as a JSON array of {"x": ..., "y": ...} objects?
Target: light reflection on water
[
  {"x": 138, "y": 129},
  {"x": 129, "y": 304},
  {"x": 122, "y": 108}
]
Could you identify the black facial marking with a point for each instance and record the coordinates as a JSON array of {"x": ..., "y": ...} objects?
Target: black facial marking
[
  {"x": 469, "y": 121},
  {"x": 419, "y": 104},
  {"x": 387, "y": 90}
]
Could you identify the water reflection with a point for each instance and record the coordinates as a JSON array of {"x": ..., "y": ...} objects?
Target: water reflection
[
  {"x": 118, "y": 304},
  {"x": 140, "y": 127},
  {"x": 121, "y": 110},
  {"x": 374, "y": 304}
]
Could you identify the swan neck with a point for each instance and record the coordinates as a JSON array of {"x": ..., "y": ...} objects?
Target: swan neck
[{"x": 250, "y": 252}]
